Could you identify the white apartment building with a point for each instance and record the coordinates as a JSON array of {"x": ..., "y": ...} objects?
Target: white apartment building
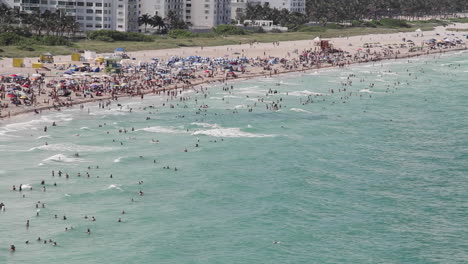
[
  {"x": 206, "y": 14},
  {"x": 198, "y": 14},
  {"x": 238, "y": 9},
  {"x": 121, "y": 15},
  {"x": 162, "y": 7},
  {"x": 238, "y": 6}
]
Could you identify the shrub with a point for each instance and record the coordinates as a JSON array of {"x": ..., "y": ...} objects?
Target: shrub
[
  {"x": 228, "y": 30},
  {"x": 311, "y": 29},
  {"x": 53, "y": 41},
  {"x": 394, "y": 23},
  {"x": 105, "y": 38},
  {"x": 258, "y": 30},
  {"x": 333, "y": 26},
  {"x": 180, "y": 33},
  {"x": 7, "y": 39},
  {"x": 118, "y": 36},
  {"x": 207, "y": 35},
  {"x": 372, "y": 24},
  {"x": 25, "y": 48}
]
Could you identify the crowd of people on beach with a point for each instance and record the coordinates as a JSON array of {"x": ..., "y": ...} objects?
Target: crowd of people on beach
[{"x": 84, "y": 84}]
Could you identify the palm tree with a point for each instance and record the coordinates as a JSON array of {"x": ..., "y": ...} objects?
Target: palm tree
[
  {"x": 144, "y": 20},
  {"x": 157, "y": 21}
]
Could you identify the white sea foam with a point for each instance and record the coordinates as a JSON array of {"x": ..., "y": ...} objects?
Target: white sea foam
[
  {"x": 304, "y": 93},
  {"x": 117, "y": 160},
  {"x": 71, "y": 147},
  {"x": 62, "y": 158},
  {"x": 229, "y": 133},
  {"x": 287, "y": 83},
  {"x": 34, "y": 124},
  {"x": 165, "y": 130},
  {"x": 114, "y": 186},
  {"x": 46, "y": 136},
  {"x": 114, "y": 111},
  {"x": 206, "y": 125},
  {"x": 84, "y": 128},
  {"x": 240, "y": 106},
  {"x": 231, "y": 96},
  {"x": 300, "y": 110},
  {"x": 366, "y": 91}
]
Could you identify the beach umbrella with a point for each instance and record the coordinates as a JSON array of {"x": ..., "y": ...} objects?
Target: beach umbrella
[
  {"x": 13, "y": 75},
  {"x": 24, "y": 97},
  {"x": 11, "y": 95}
]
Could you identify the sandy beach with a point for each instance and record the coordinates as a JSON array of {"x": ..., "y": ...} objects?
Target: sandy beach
[{"x": 368, "y": 47}]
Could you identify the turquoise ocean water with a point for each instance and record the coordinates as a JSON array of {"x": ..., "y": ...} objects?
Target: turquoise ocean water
[{"x": 376, "y": 176}]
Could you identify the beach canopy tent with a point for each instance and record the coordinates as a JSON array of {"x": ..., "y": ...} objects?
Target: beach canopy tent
[
  {"x": 316, "y": 41},
  {"x": 418, "y": 30},
  {"x": 119, "y": 50}
]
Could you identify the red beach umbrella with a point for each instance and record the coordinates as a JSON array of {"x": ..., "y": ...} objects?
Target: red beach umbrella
[
  {"x": 13, "y": 75},
  {"x": 11, "y": 95}
]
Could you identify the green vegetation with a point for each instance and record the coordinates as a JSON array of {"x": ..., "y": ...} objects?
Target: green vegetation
[
  {"x": 346, "y": 11},
  {"x": 458, "y": 29},
  {"x": 229, "y": 30},
  {"x": 113, "y": 35},
  {"x": 180, "y": 33},
  {"x": 459, "y": 20},
  {"x": 10, "y": 38},
  {"x": 283, "y": 17}
]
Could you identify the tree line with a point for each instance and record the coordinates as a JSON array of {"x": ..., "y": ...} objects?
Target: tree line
[
  {"x": 171, "y": 21},
  {"x": 348, "y": 10},
  {"x": 47, "y": 23}
]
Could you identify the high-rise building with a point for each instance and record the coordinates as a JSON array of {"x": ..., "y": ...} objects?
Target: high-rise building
[
  {"x": 206, "y": 14},
  {"x": 198, "y": 14},
  {"x": 238, "y": 9},
  {"x": 121, "y": 15}
]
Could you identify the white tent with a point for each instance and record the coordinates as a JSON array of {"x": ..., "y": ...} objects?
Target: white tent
[
  {"x": 316, "y": 41},
  {"x": 89, "y": 55},
  {"x": 419, "y": 33}
]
